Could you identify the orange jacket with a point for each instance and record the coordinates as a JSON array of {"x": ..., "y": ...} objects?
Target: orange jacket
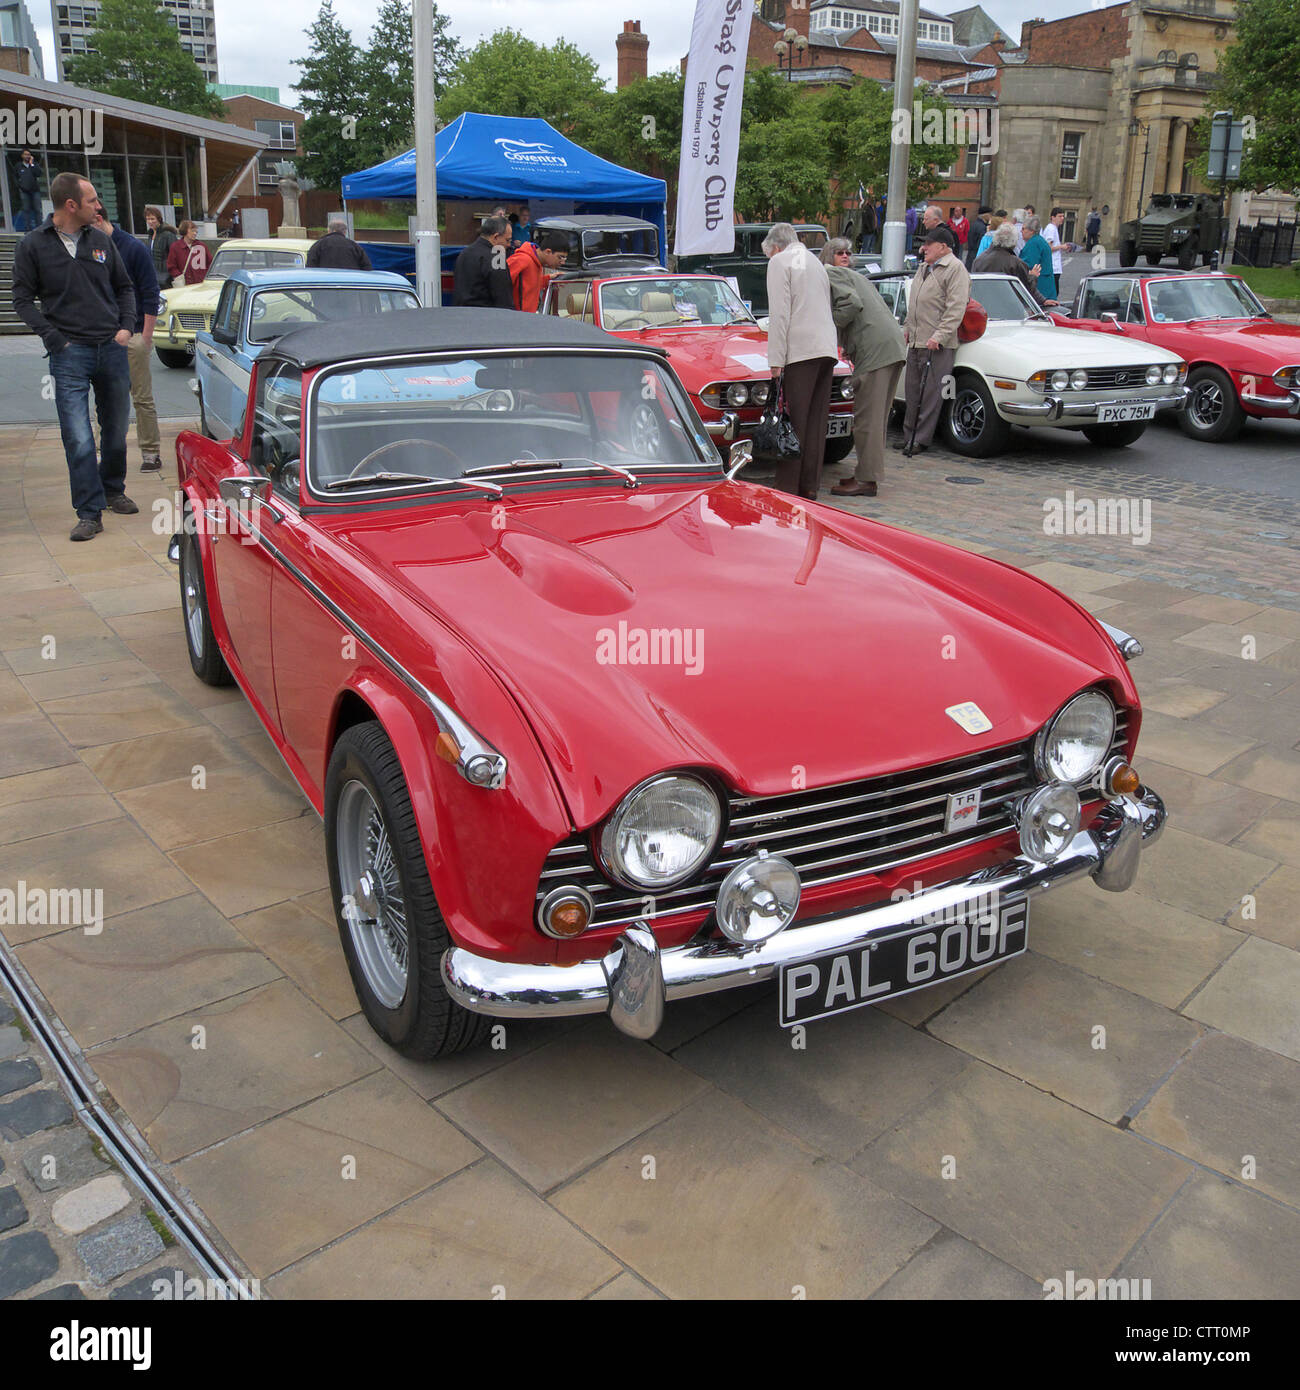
[{"x": 527, "y": 276}]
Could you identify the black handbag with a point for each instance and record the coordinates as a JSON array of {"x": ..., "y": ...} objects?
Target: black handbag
[{"x": 775, "y": 438}]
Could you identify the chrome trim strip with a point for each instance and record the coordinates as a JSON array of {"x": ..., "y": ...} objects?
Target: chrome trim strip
[
  {"x": 1290, "y": 403},
  {"x": 479, "y": 762},
  {"x": 1055, "y": 407},
  {"x": 508, "y": 989},
  {"x": 1128, "y": 645}
]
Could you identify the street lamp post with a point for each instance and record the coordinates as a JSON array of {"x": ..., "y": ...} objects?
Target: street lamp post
[
  {"x": 790, "y": 48},
  {"x": 1136, "y": 127},
  {"x": 428, "y": 254}
]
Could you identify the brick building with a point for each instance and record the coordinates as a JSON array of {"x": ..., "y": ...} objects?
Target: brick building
[{"x": 259, "y": 185}]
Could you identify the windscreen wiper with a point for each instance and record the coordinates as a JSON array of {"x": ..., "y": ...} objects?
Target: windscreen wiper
[
  {"x": 630, "y": 478},
  {"x": 364, "y": 480}
]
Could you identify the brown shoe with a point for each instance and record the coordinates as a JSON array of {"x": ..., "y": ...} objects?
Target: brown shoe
[{"x": 850, "y": 487}]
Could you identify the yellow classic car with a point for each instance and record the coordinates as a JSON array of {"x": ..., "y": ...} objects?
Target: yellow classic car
[{"x": 187, "y": 309}]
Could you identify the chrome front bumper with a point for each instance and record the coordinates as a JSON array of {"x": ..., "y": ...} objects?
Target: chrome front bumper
[
  {"x": 1290, "y": 402},
  {"x": 1055, "y": 408},
  {"x": 635, "y": 979}
]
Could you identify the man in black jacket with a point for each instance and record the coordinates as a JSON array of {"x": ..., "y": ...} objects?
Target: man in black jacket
[
  {"x": 482, "y": 275},
  {"x": 29, "y": 187},
  {"x": 337, "y": 251},
  {"x": 979, "y": 224},
  {"x": 86, "y": 318}
]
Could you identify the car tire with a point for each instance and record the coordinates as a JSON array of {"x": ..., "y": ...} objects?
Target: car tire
[
  {"x": 1115, "y": 436},
  {"x": 1154, "y": 257},
  {"x": 392, "y": 930},
  {"x": 837, "y": 450},
  {"x": 170, "y": 357},
  {"x": 1187, "y": 254},
  {"x": 1128, "y": 253},
  {"x": 970, "y": 423},
  {"x": 205, "y": 656},
  {"x": 1213, "y": 412}
]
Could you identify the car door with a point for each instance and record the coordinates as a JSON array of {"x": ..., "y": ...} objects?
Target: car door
[
  {"x": 212, "y": 384},
  {"x": 225, "y": 369}
]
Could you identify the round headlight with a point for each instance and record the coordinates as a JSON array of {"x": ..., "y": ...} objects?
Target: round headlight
[
  {"x": 1171, "y": 373},
  {"x": 1154, "y": 375},
  {"x": 846, "y": 388},
  {"x": 1049, "y": 819},
  {"x": 1079, "y": 380},
  {"x": 500, "y": 400},
  {"x": 758, "y": 899},
  {"x": 759, "y": 392},
  {"x": 662, "y": 832},
  {"x": 1060, "y": 380},
  {"x": 737, "y": 394},
  {"x": 1075, "y": 743}
]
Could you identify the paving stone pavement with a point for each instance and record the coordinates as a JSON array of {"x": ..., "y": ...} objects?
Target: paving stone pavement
[
  {"x": 70, "y": 1227},
  {"x": 974, "y": 1140}
]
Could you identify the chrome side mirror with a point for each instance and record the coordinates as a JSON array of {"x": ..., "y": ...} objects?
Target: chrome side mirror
[
  {"x": 245, "y": 490},
  {"x": 742, "y": 452},
  {"x": 1112, "y": 319}
]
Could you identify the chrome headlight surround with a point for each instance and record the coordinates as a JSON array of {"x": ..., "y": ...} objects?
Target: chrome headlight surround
[
  {"x": 1059, "y": 380},
  {"x": 737, "y": 393},
  {"x": 1155, "y": 374},
  {"x": 666, "y": 790},
  {"x": 844, "y": 387},
  {"x": 1171, "y": 373},
  {"x": 1088, "y": 721},
  {"x": 759, "y": 392}
]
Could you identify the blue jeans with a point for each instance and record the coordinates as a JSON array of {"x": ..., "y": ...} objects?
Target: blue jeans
[
  {"x": 31, "y": 210},
  {"x": 75, "y": 370}
]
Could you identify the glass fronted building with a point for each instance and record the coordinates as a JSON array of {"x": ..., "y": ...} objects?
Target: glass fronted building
[{"x": 195, "y": 21}]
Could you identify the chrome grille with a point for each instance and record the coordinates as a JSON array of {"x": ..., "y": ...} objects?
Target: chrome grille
[
  {"x": 829, "y": 833},
  {"x": 1107, "y": 378},
  {"x": 197, "y": 322}
]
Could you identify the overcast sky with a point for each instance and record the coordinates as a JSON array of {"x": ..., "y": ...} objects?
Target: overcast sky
[{"x": 256, "y": 41}]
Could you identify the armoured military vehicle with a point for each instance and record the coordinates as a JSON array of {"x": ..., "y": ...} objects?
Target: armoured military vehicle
[{"x": 1184, "y": 225}]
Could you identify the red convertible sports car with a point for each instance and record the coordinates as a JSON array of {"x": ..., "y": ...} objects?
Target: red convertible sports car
[
  {"x": 1241, "y": 361},
  {"x": 594, "y": 726},
  {"x": 713, "y": 341}
]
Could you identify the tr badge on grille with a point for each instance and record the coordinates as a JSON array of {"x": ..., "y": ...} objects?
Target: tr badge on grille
[
  {"x": 963, "y": 810},
  {"x": 970, "y": 717}
]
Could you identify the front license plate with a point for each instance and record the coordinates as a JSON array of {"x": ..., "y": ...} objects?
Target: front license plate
[
  {"x": 839, "y": 426},
  {"x": 918, "y": 956},
  {"x": 1122, "y": 411}
]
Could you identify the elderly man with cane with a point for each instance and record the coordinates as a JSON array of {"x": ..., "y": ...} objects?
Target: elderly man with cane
[
  {"x": 940, "y": 293},
  {"x": 873, "y": 342}
]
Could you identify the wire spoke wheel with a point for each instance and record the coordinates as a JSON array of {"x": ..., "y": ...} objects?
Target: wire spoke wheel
[{"x": 374, "y": 905}]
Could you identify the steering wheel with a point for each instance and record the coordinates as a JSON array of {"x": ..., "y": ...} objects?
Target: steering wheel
[
  {"x": 397, "y": 444},
  {"x": 628, "y": 322}
]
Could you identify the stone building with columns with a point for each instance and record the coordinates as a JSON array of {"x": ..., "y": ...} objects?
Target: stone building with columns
[{"x": 1101, "y": 108}]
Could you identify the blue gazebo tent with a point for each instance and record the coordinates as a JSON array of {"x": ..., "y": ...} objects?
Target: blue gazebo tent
[{"x": 514, "y": 159}]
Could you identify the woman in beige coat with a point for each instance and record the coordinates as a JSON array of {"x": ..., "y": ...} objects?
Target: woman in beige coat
[{"x": 801, "y": 342}]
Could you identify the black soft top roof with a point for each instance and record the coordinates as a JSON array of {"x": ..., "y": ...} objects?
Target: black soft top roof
[{"x": 436, "y": 330}]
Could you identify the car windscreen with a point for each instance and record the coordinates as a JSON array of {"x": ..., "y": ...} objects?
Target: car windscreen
[
  {"x": 669, "y": 301},
  {"x": 279, "y": 311},
  {"x": 620, "y": 241},
  {"x": 449, "y": 418},
  {"x": 237, "y": 258},
  {"x": 1004, "y": 300},
  {"x": 813, "y": 238},
  {"x": 1201, "y": 297}
]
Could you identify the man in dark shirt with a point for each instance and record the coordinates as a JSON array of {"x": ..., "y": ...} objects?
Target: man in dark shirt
[
  {"x": 932, "y": 221},
  {"x": 482, "y": 275},
  {"x": 29, "y": 187},
  {"x": 979, "y": 224},
  {"x": 337, "y": 251},
  {"x": 86, "y": 318},
  {"x": 139, "y": 266}
]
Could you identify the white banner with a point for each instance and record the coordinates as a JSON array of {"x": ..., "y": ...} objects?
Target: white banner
[{"x": 715, "y": 90}]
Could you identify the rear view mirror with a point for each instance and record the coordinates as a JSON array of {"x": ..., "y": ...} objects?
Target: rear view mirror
[{"x": 224, "y": 335}]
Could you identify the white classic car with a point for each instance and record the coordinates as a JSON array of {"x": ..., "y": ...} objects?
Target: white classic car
[{"x": 1025, "y": 370}]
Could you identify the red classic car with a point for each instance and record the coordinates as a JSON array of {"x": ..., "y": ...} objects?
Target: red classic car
[
  {"x": 713, "y": 341},
  {"x": 1241, "y": 360},
  {"x": 594, "y": 726}
]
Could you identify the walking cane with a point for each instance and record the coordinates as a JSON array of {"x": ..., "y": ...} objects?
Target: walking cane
[{"x": 908, "y": 449}]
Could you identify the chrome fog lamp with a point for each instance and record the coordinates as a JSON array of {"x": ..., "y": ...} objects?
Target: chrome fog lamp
[
  {"x": 1048, "y": 820},
  {"x": 759, "y": 392},
  {"x": 1170, "y": 373},
  {"x": 737, "y": 393},
  {"x": 1060, "y": 381},
  {"x": 1075, "y": 742},
  {"x": 1155, "y": 375},
  {"x": 662, "y": 832},
  {"x": 1079, "y": 380},
  {"x": 758, "y": 898}
]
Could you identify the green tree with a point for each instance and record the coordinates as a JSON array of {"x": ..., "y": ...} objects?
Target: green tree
[
  {"x": 331, "y": 93},
  {"x": 509, "y": 75},
  {"x": 386, "y": 127},
  {"x": 138, "y": 56},
  {"x": 1259, "y": 79},
  {"x": 784, "y": 167},
  {"x": 640, "y": 127}
]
